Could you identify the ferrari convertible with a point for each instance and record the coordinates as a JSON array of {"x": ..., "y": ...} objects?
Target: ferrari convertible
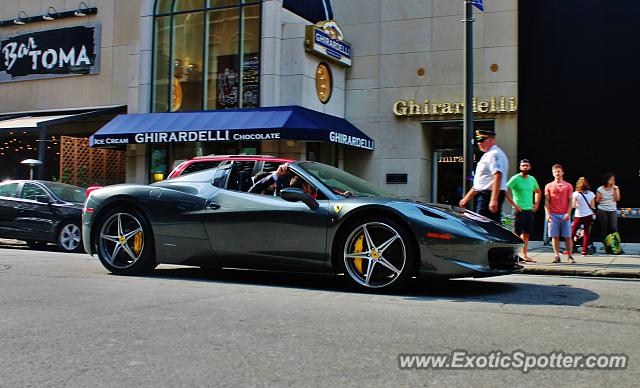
[{"x": 339, "y": 223}]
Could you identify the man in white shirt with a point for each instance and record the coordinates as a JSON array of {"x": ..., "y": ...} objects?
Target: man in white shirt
[{"x": 490, "y": 179}]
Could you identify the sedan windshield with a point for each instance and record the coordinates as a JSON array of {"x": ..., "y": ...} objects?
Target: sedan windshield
[
  {"x": 65, "y": 192},
  {"x": 341, "y": 182}
]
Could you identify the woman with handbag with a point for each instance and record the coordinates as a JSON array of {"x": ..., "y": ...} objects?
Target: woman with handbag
[
  {"x": 584, "y": 203},
  {"x": 607, "y": 197}
]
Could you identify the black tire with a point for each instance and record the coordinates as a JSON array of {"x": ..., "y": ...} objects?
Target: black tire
[
  {"x": 36, "y": 244},
  {"x": 69, "y": 237},
  {"x": 382, "y": 229},
  {"x": 143, "y": 260}
]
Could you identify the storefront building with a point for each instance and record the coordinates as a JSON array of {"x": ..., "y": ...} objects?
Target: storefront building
[
  {"x": 206, "y": 56},
  {"x": 398, "y": 80},
  {"x": 402, "y": 87},
  {"x": 392, "y": 71},
  {"x": 66, "y": 69},
  {"x": 405, "y": 89}
]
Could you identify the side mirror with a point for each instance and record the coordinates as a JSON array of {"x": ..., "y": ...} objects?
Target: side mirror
[
  {"x": 293, "y": 194},
  {"x": 43, "y": 199}
]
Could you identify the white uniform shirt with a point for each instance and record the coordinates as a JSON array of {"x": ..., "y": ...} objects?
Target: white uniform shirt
[{"x": 491, "y": 162}]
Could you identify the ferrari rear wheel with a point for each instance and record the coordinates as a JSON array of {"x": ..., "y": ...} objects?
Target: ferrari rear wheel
[
  {"x": 124, "y": 242},
  {"x": 377, "y": 254}
]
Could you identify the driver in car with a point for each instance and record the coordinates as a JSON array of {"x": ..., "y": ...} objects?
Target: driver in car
[
  {"x": 298, "y": 182},
  {"x": 280, "y": 178}
]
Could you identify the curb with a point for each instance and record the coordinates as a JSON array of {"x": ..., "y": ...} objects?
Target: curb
[{"x": 595, "y": 272}]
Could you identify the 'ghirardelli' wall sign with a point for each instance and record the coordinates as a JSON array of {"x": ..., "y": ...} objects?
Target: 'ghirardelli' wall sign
[
  {"x": 51, "y": 53},
  {"x": 327, "y": 40}
]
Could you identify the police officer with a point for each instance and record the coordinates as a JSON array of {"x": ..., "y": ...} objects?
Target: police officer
[{"x": 490, "y": 179}]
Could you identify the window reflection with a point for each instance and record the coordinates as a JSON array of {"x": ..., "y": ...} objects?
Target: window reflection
[
  {"x": 216, "y": 41},
  {"x": 161, "y": 65},
  {"x": 188, "y": 5},
  {"x": 223, "y": 67},
  {"x": 188, "y": 43},
  {"x": 251, "y": 57},
  {"x": 222, "y": 3},
  {"x": 163, "y": 6}
]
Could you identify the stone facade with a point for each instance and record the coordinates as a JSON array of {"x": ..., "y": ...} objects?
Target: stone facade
[
  {"x": 393, "y": 39},
  {"x": 117, "y": 82},
  {"x": 402, "y": 50}
]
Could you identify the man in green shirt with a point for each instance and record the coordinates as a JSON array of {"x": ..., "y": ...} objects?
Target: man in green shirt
[{"x": 520, "y": 193}]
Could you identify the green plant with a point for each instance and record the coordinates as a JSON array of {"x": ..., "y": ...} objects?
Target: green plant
[
  {"x": 82, "y": 177},
  {"x": 66, "y": 175}
]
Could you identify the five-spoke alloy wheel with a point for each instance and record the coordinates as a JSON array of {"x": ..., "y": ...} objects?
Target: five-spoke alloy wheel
[
  {"x": 378, "y": 254},
  {"x": 124, "y": 242}
]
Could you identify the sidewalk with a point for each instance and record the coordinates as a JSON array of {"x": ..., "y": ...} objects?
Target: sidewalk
[{"x": 626, "y": 265}]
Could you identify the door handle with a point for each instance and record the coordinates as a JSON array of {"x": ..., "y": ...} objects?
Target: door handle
[{"x": 213, "y": 206}]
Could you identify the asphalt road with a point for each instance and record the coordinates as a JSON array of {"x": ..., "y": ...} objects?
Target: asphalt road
[{"x": 66, "y": 322}]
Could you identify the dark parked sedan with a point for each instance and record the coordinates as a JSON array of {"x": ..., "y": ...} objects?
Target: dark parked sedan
[
  {"x": 40, "y": 211},
  {"x": 332, "y": 222}
]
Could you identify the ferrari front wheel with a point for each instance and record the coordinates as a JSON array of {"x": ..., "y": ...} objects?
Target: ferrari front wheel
[
  {"x": 378, "y": 254},
  {"x": 125, "y": 243}
]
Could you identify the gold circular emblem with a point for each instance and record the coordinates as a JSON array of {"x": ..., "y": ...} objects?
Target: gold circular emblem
[{"x": 324, "y": 83}]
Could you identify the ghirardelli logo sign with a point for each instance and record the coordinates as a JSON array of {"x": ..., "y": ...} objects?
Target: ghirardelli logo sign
[
  {"x": 327, "y": 40},
  {"x": 52, "y": 53},
  {"x": 332, "y": 29}
]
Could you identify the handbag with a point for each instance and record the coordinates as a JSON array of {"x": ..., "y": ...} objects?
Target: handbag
[{"x": 588, "y": 204}]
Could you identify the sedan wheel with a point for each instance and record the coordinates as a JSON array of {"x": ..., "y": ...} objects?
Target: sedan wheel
[
  {"x": 124, "y": 246},
  {"x": 69, "y": 237},
  {"x": 377, "y": 254}
]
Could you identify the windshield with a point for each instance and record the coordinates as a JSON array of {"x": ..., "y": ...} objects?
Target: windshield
[
  {"x": 65, "y": 192},
  {"x": 341, "y": 182}
]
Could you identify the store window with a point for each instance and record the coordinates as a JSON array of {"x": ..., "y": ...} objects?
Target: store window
[{"x": 206, "y": 55}]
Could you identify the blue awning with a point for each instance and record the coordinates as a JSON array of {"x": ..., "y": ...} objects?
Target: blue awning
[
  {"x": 312, "y": 10},
  {"x": 269, "y": 123}
]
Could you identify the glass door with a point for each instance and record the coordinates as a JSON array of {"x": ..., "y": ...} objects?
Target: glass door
[{"x": 447, "y": 159}]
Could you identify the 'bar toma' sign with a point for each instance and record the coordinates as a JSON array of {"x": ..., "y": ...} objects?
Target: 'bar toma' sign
[{"x": 53, "y": 53}]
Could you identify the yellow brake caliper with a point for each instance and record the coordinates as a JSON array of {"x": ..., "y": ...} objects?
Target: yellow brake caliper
[
  {"x": 137, "y": 243},
  {"x": 357, "y": 248}
]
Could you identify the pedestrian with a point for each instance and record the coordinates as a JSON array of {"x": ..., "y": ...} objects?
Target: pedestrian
[
  {"x": 521, "y": 190},
  {"x": 557, "y": 206},
  {"x": 490, "y": 179},
  {"x": 584, "y": 203},
  {"x": 607, "y": 197}
]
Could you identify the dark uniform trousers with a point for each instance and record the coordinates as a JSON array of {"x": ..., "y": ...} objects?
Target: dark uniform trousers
[{"x": 482, "y": 205}]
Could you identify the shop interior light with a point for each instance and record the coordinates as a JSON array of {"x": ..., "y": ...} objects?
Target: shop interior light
[
  {"x": 49, "y": 16},
  {"x": 81, "y": 11},
  {"x": 20, "y": 20}
]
